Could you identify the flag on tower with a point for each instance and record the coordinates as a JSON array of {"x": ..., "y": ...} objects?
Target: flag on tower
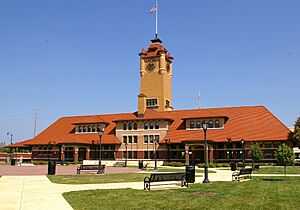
[{"x": 153, "y": 9}]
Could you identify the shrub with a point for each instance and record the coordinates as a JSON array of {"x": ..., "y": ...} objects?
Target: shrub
[
  {"x": 173, "y": 164},
  {"x": 200, "y": 165},
  {"x": 211, "y": 165},
  {"x": 40, "y": 163}
]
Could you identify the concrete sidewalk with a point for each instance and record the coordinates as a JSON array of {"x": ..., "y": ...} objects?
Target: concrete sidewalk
[{"x": 38, "y": 193}]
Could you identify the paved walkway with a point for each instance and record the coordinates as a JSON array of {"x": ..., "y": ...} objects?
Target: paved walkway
[{"x": 38, "y": 193}]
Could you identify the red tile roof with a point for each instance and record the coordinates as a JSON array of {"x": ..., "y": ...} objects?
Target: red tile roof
[{"x": 251, "y": 123}]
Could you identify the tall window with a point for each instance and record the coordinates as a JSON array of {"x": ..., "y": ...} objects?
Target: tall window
[
  {"x": 94, "y": 128},
  {"x": 129, "y": 126},
  {"x": 89, "y": 129},
  {"x": 151, "y": 125},
  {"x": 198, "y": 124},
  {"x": 210, "y": 124},
  {"x": 151, "y": 139},
  {"x": 129, "y": 154},
  {"x": 145, "y": 154},
  {"x": 151, "y": 102},
  {"x": 84, "y": 129},
  {"x": 125, "y": 126},
  {"x": 79, "y": 129},
  {"x": 129, "y": 139},
  {"x": 135, "y": 139},
  {"x": 192, "y": 124},
  {"x": 156, "y": 125},
  {"x": 124, "y": 139},
  {"x": 217, "y": 124},
  {"x": 145, "y": 125},
  {"x": 151, "y": 155},
  {"x": 134, "y": 126},
  {"x": 135, "y": 154},
  {"x": 145, "y": 139},
  {"x": 157, "y": 138},
  {"x": 167, "y": 103}
]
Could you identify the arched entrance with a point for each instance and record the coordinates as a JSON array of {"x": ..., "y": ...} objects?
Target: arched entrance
[
  {"x": 69, "y": 154},
  {"x": 81, "y": 153}
]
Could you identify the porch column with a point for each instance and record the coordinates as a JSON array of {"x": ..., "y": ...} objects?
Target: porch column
[
  {"x": 187, "y": 155},
  {"x": 62, "y": 155},
  {"x": 211, "y": 154},
  {"x": 87, "y": 153},
  {"x": 75, "y": 153}
]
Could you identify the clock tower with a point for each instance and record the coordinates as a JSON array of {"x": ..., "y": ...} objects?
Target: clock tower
[{"x": 155, "y": 78}]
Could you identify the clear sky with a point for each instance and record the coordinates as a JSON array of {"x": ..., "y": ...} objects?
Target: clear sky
[{"x": 72, "y": 57}]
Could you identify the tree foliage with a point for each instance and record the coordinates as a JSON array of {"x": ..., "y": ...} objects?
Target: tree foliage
[
  {"x": 256, "y": 153},
  {"x": 285, "y": 156},
  {"x": 296, "y": 133}
]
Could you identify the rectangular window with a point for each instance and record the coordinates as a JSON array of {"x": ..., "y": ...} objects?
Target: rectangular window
[
  {"x": 124, "y": 139},
  {"x": 156, "y": 125},
  {"x": 145, "y": 139},
  {"x": 129, "y": 154},
  {"x": 157, "y": 138},
  {"x": 135, "y": 139},
  {"x": 151, "y": 155},
  {"x": 145, "y": 126},
  {"x": 151, "y": 102},
  {"x": 151, "y": 125},
  {"x": 135, "y": 154},
  {"x": 151, "y": 139},
  {"x": 129, "y": 139},
  {"x": 145, "y": 154},
  {"x": 167, "y": 103},
  {"x": 124, "y": 154}
]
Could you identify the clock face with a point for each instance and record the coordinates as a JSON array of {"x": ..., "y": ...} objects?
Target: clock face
[{"x": 150, "y": 65}]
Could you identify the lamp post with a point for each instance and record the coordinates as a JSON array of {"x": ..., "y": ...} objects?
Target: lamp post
[
  {"x": 229, "y": 147},
  {"x": 243, "y": 142},
  {"x": 11, "y": 136},
  {"x": 206, "y": 180},
  {"x": 168, "y": 147},
  {"x": 155, "y": 155},
  {"x": 100, "y": 133},
  {"x": 126, "y": 143}
]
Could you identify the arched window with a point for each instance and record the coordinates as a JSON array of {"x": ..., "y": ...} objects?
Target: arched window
[
  {"x": 129, "y": 126},
  {"x": 125, "y": 126},
  {"x": 204, "y": 122},
  {"x": 151, "y": 125},
  {"x": 198, "y": 124},
  {"x": 146, "y": 126},
  {"x": 79, "y": 129},
  {"x": 89, "y": 129},
  {"x": 210, "y": 124},
  {"x": 94, "y": 129},
  {"x": 98, "y": 128},
  {"x": 192, "y": 124},
  {"x": 156, "y": 125},
  {"x": 84, "y": 129},
  {"x": 134, "y": 126},
  {"x": 217, "y": 124}
]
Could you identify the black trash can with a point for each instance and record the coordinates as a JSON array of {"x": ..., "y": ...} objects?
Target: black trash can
[
  {"x": 140, "y": 164},
  {"x": 51, "y": 167},
  {"x": 190, "y": 174},
  {"x": 13, "y": 162},
  {"x": 233, "y": 166}
]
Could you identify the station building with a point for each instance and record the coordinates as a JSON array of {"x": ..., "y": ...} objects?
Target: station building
[{"x": 157, "y": 128}]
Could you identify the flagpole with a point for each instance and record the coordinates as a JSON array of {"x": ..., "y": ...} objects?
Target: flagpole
[{"x": 156, "y": 20}]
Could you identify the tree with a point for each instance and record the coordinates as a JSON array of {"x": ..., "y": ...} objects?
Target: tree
[
  {"x": 255, "y": 153},
  {"x": 285, "y": 156},
  {"x": 296, "y": 133}
]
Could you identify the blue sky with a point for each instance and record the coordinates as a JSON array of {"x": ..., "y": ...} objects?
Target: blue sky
[{"x": 81, "y": 57}]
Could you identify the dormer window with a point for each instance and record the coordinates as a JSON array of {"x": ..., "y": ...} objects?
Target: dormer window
[
  {"x": 125, "y": 126},
  {"x": 217, "y": 124},
  {"x": 192, "y": 124},
  {"x": 210, "y": 124},
  {"x": 198, "y": 124},
  {"x": 129, "y": 126},
  {"x": 151, "y": 102}
]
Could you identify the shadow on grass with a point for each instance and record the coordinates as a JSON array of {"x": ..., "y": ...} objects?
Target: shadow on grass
[{"x": 273, "y": 180}]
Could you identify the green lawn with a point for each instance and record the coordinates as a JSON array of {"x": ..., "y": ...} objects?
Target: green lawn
[
  {"x": 97, "y": 179},
  {"x": 279, "y": 170},
  {"x": 174, "y": 169},
  {"x": 259, "y": 193}
]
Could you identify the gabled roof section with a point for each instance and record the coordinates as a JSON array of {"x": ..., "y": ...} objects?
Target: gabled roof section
[{"x": 154, "y": 49}]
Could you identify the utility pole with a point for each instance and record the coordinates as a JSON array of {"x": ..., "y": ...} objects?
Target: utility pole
[{"x": 35, "y": 119}]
